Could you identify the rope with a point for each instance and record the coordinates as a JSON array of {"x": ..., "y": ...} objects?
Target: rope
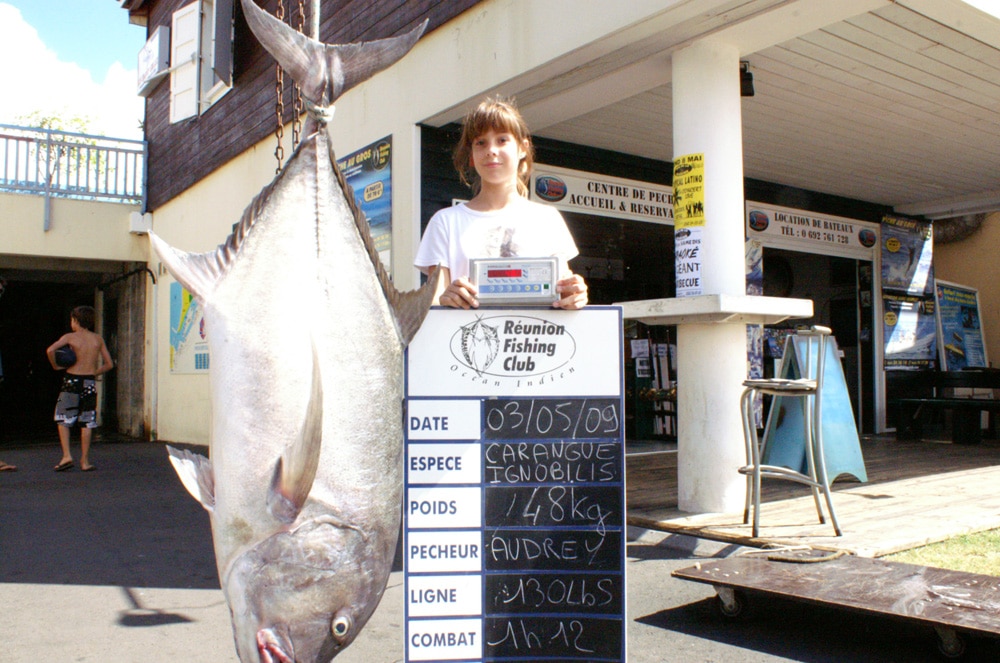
[{"x": 786, "y": 554}]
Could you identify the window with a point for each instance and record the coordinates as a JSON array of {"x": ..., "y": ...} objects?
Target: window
[{"x": 201, "y": 57}]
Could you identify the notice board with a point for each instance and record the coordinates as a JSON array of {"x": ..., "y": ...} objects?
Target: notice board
[{"x": 514, "y": 510}]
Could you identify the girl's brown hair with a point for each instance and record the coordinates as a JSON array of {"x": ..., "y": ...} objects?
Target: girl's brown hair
[{"x": 500, "y": 115}]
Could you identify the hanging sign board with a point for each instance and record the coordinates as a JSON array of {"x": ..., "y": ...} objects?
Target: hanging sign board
[
  {"x": 959, "y": 327},
  {"x": 808, "y": 232},
  {"x": 514, "y": 535},
  {"x": 602, "y": 195}
]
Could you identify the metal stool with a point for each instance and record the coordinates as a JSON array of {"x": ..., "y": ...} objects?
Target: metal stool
[{"x": 809, "y": 387}]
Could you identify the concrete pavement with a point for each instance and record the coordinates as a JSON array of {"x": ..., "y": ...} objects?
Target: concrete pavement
[{"x": 117, "y": 565}]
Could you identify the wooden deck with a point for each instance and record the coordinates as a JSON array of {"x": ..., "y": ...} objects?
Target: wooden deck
[{"x": 917, "y": 493}]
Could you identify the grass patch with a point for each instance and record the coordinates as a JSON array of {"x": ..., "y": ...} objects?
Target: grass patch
[{"x": 975, "y": 553}]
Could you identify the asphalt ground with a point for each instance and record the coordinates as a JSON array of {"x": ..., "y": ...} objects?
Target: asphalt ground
[{"x": 117, "y": 565}]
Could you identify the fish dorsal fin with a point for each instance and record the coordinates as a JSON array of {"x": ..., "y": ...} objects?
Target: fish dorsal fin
[
  {"x": 195, "y": 472},
  {"x": 295, "y": 470},
  {"x": 199, "y": 272},
  {"x": 325, "y": 71},
  {"x": 409, "y": 308}
]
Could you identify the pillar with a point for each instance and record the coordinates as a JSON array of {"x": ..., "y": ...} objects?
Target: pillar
[{"x": 712, "y": 357}]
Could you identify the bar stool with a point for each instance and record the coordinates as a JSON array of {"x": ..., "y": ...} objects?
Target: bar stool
[{"x": 809, "y": 387}]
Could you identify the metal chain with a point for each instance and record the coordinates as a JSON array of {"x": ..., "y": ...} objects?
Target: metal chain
[
  {"x": 279, "y": 107},
  {"x": 300, "y": 25}
]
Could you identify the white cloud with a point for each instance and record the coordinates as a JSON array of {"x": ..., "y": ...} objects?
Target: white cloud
[{"x": 33, "y": 78}]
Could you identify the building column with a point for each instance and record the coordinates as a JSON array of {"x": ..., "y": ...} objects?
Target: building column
[{"x": 712, "y": 359}]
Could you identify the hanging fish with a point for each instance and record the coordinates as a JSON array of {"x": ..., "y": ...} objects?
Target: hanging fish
[{"x": 306, "y": 334}]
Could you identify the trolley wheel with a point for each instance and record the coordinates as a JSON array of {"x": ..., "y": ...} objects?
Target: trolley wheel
[
  {"x": 732, "y": 604},
  {"x": 950, "y": 643}
]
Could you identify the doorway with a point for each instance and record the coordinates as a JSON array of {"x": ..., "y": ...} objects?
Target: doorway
[
  {"x": 840, "y": 289},
  {"x": 33, "y": 315}
]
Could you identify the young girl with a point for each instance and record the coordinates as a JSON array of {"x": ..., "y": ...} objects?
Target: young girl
[{"x": 494, "y": 156}]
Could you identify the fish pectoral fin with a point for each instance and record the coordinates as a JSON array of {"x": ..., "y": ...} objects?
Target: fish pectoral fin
[
  {"x": 295, "y": 470},
  {"x": 195, "y": 472},
  {"x": 198, "y": 272},
  {"x": 411, "y": 307}
]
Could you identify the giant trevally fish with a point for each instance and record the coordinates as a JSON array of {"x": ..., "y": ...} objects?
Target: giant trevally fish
[{"x": 306, "y": 333}]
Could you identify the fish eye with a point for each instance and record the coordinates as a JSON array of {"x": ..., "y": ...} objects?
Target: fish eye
[{"x": 341, "y": 626}]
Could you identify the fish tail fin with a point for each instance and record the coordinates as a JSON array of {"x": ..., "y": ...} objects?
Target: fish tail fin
[
  {"x": 325, "y": 71},
  {"x": 295, "y": 470},
  {"x": 195, "y": 472},
  {"x": 198, "y": 272}
]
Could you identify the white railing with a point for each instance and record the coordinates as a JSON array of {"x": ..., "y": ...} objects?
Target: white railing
[{"x": 72, "y": 165}]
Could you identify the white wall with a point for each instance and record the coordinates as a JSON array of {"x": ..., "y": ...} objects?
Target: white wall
[
  {"x": 81, "y": 229},
  {"x": 504, "y": 45}
]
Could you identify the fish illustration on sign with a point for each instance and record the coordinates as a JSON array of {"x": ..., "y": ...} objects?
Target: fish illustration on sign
[{"x": 306, "y": 334}]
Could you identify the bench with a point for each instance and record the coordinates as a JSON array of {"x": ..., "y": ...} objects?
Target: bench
[{"x": 965, "y": 412}]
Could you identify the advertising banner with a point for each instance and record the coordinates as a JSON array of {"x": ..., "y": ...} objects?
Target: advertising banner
[
  {"x": 369, "y": 172},
  {"x": 960, "y": 333},
  {"x": 910, "y": 332},
  {"x": 907, "y": 250}
]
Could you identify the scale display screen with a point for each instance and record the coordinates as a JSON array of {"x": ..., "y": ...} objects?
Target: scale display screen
[{"x": 515, "y": 281}]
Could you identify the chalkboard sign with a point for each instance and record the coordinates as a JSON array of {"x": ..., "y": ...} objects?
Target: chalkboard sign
[{"x": 514, "y": 535}]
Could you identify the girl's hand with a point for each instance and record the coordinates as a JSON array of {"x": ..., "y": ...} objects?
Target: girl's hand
[
  {"x": 460, "y": 293},
  {"x": 573, "y": 293}
]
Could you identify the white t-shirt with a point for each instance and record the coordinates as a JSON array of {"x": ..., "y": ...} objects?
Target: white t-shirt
[{"x": 524, "y": 229}]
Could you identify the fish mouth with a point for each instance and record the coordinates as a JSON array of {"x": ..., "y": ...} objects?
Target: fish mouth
[{"x": 270, "y": 648}]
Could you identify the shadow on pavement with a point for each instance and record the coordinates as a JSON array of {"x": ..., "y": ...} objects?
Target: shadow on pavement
[{"x": 130, "y": 523}]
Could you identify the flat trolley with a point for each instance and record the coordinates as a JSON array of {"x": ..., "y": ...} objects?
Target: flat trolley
[{"x": 954, "y": 603}]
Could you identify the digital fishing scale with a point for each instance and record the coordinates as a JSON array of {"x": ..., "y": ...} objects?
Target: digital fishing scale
[{"x": 515, "y": 281}]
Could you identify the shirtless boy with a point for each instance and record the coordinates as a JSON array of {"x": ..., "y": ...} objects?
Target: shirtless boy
[{"x": 77, "y": 404}]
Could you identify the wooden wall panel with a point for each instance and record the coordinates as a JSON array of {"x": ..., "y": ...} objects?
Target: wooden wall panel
[{"x": 182, "y": 154}]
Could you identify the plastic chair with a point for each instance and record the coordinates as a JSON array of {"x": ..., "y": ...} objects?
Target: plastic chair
[{"x": 810, "y": 388}]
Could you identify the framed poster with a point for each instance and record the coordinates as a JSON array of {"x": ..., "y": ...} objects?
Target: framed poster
[{"x": 959, "y": 327}]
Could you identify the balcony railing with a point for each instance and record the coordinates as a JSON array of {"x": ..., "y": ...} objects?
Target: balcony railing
[{"x": 72, "y": 165}]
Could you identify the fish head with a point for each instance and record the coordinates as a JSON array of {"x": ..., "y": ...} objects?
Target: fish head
[{"x": 303, "y": 595}]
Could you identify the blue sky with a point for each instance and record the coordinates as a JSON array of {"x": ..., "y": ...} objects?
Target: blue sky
[
  {"x": 92, "y": 33},
  {"x": 71, "y": 58}
]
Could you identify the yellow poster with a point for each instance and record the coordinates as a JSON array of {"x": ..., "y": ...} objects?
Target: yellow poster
[{"x": 689, "y": 191}]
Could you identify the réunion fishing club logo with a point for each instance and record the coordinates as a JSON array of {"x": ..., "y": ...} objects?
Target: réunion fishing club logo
[{"x": 512, "y": 346}]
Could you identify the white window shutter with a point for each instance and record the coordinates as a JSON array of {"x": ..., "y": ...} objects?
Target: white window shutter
[{"x": 184, "y": 34}]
